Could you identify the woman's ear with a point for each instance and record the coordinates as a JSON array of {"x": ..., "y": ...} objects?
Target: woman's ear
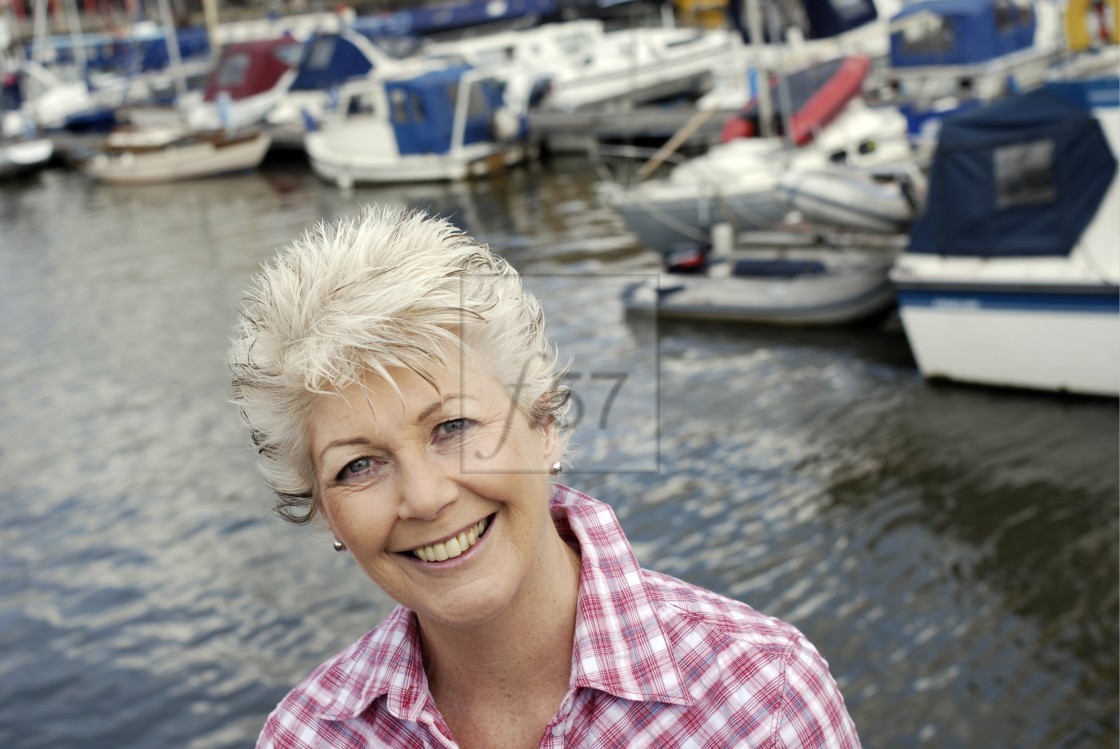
[{"x": 553, "y": 450}]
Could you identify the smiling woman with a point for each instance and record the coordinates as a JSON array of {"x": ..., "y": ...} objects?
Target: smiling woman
[{"x": 397, "y": 381}]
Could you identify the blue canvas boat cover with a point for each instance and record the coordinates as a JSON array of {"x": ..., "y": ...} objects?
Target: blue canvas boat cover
[
  {"x": 960, "y": 32},
  {"x": 423, "y": 111},
  {"x": 1021, "y": 177}
]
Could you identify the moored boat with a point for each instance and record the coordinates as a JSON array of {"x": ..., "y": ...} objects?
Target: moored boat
[
  {"x": 442, "y": 125},
  {"x": 1012, "y": 275},
  {"x": 737, "y": 181},
  {"x": 23, "y": 156},
  {"x": 835, "y": 195},
  {"x": 809, "y": 285},
  {"x": 172, "y": 154}
]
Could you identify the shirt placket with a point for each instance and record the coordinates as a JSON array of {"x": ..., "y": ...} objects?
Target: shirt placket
[{"x": 553, "y": 737}]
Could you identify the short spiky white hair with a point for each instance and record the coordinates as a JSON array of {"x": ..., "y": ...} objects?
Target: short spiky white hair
[{"x": 391, "y": 288}]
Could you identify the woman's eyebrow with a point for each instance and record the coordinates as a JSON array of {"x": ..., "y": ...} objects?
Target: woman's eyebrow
[
  {"x": 344, "y": 442},
  {"x": 427, "y": 412}
]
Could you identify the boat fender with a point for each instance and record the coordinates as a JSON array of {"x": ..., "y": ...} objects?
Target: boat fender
[
  {"x": 504, "y": 125},
  {"x": 686, "y": 260}
]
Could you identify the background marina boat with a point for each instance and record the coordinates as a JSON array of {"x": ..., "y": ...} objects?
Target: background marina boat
[
  {"x": 631, "y": 66},
  {"x": 1012, "y": 276},
  {"x": 22, "y": 156},
  {"x": 442, "y": 125},
  {"x": 948, "y": 56},
  {"x": 884, "y": 200},
  {"x": 356, "y": 51},
  {"x": 247, "y": 81},
  {"x": 737, "y": 181},
  {"x": 171, "y": 154},
  {"x": 812, "y": 284}
]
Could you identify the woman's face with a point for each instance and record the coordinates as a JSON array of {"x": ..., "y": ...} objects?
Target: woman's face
[{"x": 440, "y": 493}]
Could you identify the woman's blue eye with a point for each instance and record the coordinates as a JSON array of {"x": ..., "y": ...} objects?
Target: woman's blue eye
[
  {"x": 355, "y": 468},
  {"x": 453, "y": 427}
]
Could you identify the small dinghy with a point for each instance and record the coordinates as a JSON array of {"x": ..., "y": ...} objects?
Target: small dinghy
[{"x": 777, "y": 285}]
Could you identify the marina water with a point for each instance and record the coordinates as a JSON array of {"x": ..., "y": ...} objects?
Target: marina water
[{"x": 952, "y": 551}]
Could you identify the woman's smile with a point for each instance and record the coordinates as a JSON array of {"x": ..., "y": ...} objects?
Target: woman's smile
[{"x": 458, "y": 546}]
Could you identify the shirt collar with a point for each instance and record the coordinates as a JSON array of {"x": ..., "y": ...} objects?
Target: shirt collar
[
  {"x": 620, "y": 645},
  {"x": 386, "y": 662}
]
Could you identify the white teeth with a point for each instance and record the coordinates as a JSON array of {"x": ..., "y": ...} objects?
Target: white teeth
[{"x": 453, "y": 547}]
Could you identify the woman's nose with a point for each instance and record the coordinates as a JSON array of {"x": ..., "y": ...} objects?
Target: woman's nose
[{"x": 426, "y": 488}]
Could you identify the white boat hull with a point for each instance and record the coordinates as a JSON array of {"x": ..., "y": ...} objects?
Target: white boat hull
[
  {"x": 848, "y": 200},
  {"x": 190, "y": 160},
  {"x": 345, "y": 170},
  {"x": 17, "y": 158},
  {"x": 1042, "y": 341}
]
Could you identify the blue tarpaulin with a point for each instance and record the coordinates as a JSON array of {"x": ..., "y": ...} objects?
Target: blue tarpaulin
[
  {"x": 960, "y": 32},
  {"x": 1021, "y": 177}
]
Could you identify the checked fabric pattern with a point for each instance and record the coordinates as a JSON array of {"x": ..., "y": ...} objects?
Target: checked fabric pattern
[{"x": 656, "y": 662}]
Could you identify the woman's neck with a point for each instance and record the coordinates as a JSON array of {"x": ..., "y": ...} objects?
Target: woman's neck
[{"x": 522, "y": 654}]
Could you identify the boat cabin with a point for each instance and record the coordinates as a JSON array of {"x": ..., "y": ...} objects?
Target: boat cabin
[
  {"x": 1023, "y": 177},
  {"x": 960, "y": 32}
]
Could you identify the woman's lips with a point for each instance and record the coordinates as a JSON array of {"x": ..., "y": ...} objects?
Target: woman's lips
[{"x": 453, "y": 546}]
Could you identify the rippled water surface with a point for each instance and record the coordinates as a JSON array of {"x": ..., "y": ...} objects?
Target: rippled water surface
[{"x": 952, "y": 551}]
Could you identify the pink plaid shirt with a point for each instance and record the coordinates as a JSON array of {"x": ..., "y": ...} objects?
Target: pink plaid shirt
[{"x": 656, "y": 663}]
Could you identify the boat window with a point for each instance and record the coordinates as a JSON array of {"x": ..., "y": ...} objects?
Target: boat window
[
  {"x": 289, "y": 54},
  {"x": 1025, "y": 174},
  {"x": 931, "y": 36},
  {"x": 321, "y": 52},
  {"x": 399, "y": 103},
  {"x": 838, "y": 157},
  {"x": 360, "y": 104},
  {"x": 418, "y": 113},
  {"x": 477, "y": 106},
  {"x": 867, "y": 146},
  {"x": 233, "y": 70},
  {"x": 1007, "y": 15}
]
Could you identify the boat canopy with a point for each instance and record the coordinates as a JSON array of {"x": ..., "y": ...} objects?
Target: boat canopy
[
  {"x": 248, "y": 68},
  {"x": 422, "y": 110},
  {"x": 1021, "y": 177},
  {"x": 960, "y": 32},
  {"x": 330, "y": 60}
]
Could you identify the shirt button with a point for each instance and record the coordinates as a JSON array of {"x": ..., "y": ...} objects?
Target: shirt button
[{"x": 558, "y": 730}]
